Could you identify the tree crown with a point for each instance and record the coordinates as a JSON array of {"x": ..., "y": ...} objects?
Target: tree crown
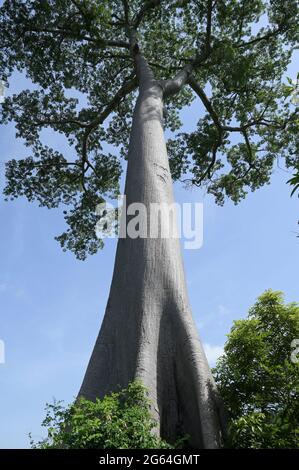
[{"x": 80, "y": 57}]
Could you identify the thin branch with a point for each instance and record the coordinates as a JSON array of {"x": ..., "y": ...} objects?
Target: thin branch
[
  {"x": 249, "y": 149},
  {"x": 260, "y": 121},
  {"x": 208, "y": 105},
  {"x": 68, "y": 33},
  {"x": 90, "y": 165},
  {"x": 84, "y": 157},
  {"x": 206, "y": 102},
  {"x": 49, "y": 122},
  {"x": 148, "y": 5},
  {"x": 221, "y": 128},
  {"x": 209, "y": 27},
  {"x": 265, "y": 37},
  {"x": 163, "y": 67},
  {"x": 127, "y": 87},
  {"x": 126, "y": 11},
  {"x": 78, "y": 6},
  {"x": 215, "y": 148},
  {"x": 251, "y": 165},
  {"x": 57, "y": 163},
  {"x": 37, "y": 164},
  {"x": 173, "y": 86}
]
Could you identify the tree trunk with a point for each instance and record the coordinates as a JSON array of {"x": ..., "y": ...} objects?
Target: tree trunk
[{"x": 148, "y": 331}]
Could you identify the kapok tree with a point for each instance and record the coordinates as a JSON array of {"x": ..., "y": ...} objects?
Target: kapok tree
[{"x": 139, "y": 63}]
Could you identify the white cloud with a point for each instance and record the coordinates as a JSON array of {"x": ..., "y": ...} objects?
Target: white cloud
[
  {"x": 2, "y": 352},
  {"x": 12, "y": 289},
  {"x": 200, "y": 324},
  {"x": 41, "y": 372},
  {"x": 3, "y": 287},
  {"x": 213, "y": 352},
  {"x": 223, "y": 310}
]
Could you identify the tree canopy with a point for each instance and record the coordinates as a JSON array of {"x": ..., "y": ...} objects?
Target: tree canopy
[
  {"x": 79, "y": 57},
  {"x": 257, "y": 377}
]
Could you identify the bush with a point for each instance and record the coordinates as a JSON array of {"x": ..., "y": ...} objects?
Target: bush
[
  {"x": 257, "y": 379},
  {"x": 120, "y": 420}
]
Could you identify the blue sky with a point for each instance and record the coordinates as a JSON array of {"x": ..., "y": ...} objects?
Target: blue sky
[{"x": 51, "y": 305}]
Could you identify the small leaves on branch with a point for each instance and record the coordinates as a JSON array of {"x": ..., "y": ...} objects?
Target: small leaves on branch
[{"x": 79, "y": 58}]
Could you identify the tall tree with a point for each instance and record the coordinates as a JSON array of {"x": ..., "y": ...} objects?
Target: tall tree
[{"x": 138, "y": 63}]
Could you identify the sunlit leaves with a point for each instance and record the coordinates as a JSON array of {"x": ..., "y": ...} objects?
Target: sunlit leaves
[
  {"x": 120, "y": 420},
  {"x": 76, "y": 55},
  {"x": 294, "y": 181},
  {"x": 256, "y": 377}
]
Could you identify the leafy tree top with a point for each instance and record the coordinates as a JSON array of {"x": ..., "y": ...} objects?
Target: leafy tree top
[{"x": 231, "y": 54}]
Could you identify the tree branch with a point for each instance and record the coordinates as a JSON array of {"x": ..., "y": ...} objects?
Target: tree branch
[
  {"x": 90, "y": 165},
  {"x": 249, "y": 149},
  {"x": 209, "y": 27},
  {"x": 173, "y": 86},
  {"x": 68, "y": 33},
  {"x": 261, "y": 121},
  {"x": 206, "y": 102},
  {"x": 79, "y": 8},
  {"x": 265, "y": 37},
  {"x": 213, "y": 161},
  {"x": 127, "y": 87},
  {"x": 49, "y": 122},
  {"x": 149, "y": 5},
  {"x": 37, "y": 164},
  {"x": 126, "y": 11}
]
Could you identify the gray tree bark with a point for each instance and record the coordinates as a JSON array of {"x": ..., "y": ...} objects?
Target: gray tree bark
[{"x": 148, "y": 332}]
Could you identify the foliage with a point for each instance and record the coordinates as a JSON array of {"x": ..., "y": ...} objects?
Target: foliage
[
  {"x": 78, "y": 60},
  {"x": 294, "y": 181},
  {"x": 121, "y": 420},
  {"x": 257, "y": 379}
]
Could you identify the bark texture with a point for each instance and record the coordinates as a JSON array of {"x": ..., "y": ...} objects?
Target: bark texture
[{"x": 148, "y": 331}]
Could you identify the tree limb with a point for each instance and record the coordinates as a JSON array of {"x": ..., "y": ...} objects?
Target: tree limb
[
  {"x": 127, "y": 87},
  {"x": 49, "y": 122},
  {"x": 126, "y": 11},
  {"x": 261, "y": 121},
  {"x": 148, "y": 5},
  {"x": 206, "y": 102},
  {"x": 98, "y": 41},
  {"x": 209, "y": 27},
  {"x": 265, "y": 37},
  {"x": 173, "y": 86},
  {"x": 249, "y": 149}
]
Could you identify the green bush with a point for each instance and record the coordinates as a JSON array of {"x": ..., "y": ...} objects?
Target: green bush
[
  {"x": 257, "y": 379},
  {"x": 120, "y": 420}
]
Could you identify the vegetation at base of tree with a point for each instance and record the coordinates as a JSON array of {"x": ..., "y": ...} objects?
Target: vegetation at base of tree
[
  {"x": 257, "y": 378},
  {"x": 121, "y": 420}
]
